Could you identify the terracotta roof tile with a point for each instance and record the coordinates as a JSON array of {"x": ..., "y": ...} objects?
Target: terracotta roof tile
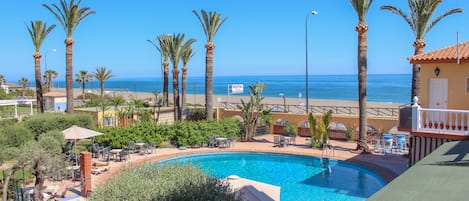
[{"x": 443, "y": 55}]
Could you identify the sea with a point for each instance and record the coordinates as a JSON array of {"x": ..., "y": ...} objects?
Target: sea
[{"x": 392, "y": 88}]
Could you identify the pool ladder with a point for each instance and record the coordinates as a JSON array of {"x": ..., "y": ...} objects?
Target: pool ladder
[{"x": 327, "y": 150}]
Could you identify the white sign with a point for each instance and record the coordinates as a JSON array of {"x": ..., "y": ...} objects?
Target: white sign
[{"x": 236, "y": 88}]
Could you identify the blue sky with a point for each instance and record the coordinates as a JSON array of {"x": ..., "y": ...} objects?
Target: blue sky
[{"x": 261, "y": 37}]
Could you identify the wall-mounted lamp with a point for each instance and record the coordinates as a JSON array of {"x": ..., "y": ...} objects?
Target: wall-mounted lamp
[{"x": 437, "y": 71}]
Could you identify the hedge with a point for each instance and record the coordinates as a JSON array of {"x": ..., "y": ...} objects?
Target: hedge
[{"x": 180, "y": 133}]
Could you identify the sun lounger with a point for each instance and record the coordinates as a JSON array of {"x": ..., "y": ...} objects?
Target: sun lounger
[{"x": 99, "y": 170}]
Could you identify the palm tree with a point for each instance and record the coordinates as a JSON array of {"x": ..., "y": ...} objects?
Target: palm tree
[
  {"x": 102, "y": 74},
  {"x": 48, "y": 76},
  {"x": 210, "y": 22},
  {"x": 361, "y": 8},
  {"x": 186, "y": 55},
  {"x": 38, "y": 32},
  {"x": 69, "y": 15},
  {"x": 116, "y": 102},
  {"x": 175, "y": 51},
  {"x": 24, "y": 83},
  {"x": 420, "y": 13},
  {"x": 82, "y": 78},
  {"x": 162, "y": 47}
]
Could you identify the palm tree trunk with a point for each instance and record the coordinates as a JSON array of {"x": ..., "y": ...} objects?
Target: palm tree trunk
[
  {"x": 177, "y": 112},
  {"x": 68, "y": 74},
  {"x": 209, "y": 80},
  {"x": 362, "y": 77},
  {"x": 419, "y": 44},
  {"x": 37, "y": 74},
  {"x": 184, "y": 88},
  {"x": 83, "y": 90},
  {"x": 166, "y": 84},
  {"x": 101, "y": 84}
]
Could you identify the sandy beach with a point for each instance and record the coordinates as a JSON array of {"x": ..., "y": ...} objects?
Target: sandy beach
[{"x": 218, "y": 99}]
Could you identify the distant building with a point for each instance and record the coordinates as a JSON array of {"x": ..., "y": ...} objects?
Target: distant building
[{"x": 55, "y": 101}]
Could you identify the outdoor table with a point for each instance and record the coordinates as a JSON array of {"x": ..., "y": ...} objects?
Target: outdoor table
[
  {"x": 139, "y": 145},
  {"x": 221, "y": 141},
  {"x": 285, "y": 141},
  {"x": 115, "y": 153}
]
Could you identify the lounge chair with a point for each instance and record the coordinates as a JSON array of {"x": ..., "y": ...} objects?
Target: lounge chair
[{"x": 379, "y": 146}]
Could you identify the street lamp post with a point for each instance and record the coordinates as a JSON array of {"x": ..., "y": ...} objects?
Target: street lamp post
[
  {"x": 306, "y": 57},
  {"x": 45, "y": 58},
  {"x": 284, "y": 102}
]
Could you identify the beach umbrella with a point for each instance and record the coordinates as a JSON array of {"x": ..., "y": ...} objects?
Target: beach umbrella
[{"x": 77, "y": 133}]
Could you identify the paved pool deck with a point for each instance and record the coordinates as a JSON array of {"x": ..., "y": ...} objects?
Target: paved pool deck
[{"x": 389, "y": 166}]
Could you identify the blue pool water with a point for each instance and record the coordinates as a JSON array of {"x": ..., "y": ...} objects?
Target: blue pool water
[{"x": 300, "y": 177}]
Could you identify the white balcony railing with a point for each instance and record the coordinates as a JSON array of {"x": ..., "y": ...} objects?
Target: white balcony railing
[{"x": 439, "y": 120}]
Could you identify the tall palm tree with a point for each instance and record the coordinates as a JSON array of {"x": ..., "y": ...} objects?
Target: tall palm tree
[
  {"x": 69, "y": 15},
  {"x": 82, "y": 78},
  {"x": 38, "y": 32},
  {"x": 24, "y": 83},
  {"x": 175, "y": 52},
  {"x": 210, "y": 22},
  {"x": 48, "y": 76},
  {"x": 102, "y": 74},
  {"x": 162, "y": 44},
  {"x": 420, "y": 13},
  {"x": 186, "y": 55},
  {"x": 361, "y": 8}
]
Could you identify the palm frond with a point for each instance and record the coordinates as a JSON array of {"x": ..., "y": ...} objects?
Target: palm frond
[
  {"x": 210, "y": 22},
  {"x": 399, "y": 12},
  {"x": 361, "y": 8},
  {"x": 69, "y": 14},
  {"x": 439, "y": 18},
  {"x": 38, "y": 32}
]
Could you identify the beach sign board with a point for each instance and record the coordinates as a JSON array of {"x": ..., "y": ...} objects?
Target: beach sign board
[{"x": 237, "y": 88}]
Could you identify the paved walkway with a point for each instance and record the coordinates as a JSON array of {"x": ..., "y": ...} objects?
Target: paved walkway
[{"x": 388, "y": 166}]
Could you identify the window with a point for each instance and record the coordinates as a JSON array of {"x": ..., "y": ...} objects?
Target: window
[{"x": 109, "y": 122}]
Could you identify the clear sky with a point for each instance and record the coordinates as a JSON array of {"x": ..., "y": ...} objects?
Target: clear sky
[{"x": 261, "y": 37}]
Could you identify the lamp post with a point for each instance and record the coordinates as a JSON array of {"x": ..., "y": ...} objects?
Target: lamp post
[
  {"x": 306, "y": 56},
  {"x": 284, "y": 102},
  {"x": 45, "y": 57}
]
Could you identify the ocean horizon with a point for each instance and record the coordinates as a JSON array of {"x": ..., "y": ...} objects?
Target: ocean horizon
[{"x": 392, "y": 88}]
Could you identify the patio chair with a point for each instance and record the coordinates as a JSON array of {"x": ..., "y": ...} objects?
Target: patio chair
[
  {"x": 132, "y": 146},
  {"x": 231, "y": 141},
  {"x": 212, "y": 142},
  {"x": 276, "y": 141},
  {"x": 106, "y": 153},
  {"x": 152, "y": 147},
  {"x": 144, "y": 149},
  {"x": 95, "y": 150},
  {"x": 123, "y": 155}
]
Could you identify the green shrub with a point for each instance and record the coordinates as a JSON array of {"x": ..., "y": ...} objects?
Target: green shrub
[
  {"x": 167, "y": 182},
  {"x": 180, "y": 133},
  {"x": 43, "y": 123},
  {"x": 290, "y": 129}
]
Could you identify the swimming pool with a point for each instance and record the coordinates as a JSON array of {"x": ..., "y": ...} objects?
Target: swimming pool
[{"x": 300, "y": 177}]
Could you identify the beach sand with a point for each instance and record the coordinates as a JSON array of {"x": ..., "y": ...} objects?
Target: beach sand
[{"x": 199, "y": 99}]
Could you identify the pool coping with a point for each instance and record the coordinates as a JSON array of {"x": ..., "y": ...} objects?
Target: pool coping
[{"x": 386, "y": 173}]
